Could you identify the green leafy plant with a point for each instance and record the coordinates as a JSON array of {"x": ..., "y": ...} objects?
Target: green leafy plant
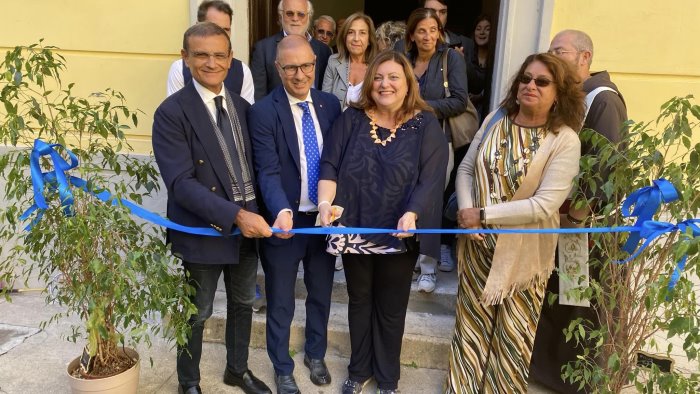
[
  {"x": 633, "y": 302},
  {"x": 110, "y": 270}
]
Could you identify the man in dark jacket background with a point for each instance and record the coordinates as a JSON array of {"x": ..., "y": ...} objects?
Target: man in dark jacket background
[{"x": 295, "y": 18}]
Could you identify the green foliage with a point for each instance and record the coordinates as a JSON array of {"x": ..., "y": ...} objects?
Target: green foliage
[
  {"x": 113, "y": 272},
  {"x": 632, "y": 301}
]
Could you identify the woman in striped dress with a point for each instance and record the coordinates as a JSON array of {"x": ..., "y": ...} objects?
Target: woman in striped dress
[{"x": 518, "y": 171}]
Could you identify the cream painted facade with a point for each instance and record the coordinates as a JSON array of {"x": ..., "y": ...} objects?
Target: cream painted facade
[{"x": 647, "y": 46}]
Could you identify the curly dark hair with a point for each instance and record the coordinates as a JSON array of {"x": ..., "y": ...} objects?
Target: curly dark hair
[{"x": 568, "y": 108}]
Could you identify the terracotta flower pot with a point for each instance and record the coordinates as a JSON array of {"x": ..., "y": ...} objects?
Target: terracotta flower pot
[{"x": 123, "y": 383}]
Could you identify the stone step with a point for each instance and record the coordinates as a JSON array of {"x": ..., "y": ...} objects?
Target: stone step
[
  {"x": 440, "y": 301},
  {"x": 425, "y": 344}
]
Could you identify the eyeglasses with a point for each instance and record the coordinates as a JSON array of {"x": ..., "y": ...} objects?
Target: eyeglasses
[
  {"x": 559, "y": 51},
  {"x": 326, "y": 33},
  {"x": 204, "y": 56},
  {"x": 299, "y": 14},
  {"x": 291, "y": 69},
  {"x": 539, "y": 82}
]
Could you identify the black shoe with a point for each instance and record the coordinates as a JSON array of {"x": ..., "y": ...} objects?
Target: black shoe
[
  {"x": 319, "y": 372},
  {"x": 188, "y": 390},
  {"x": 247, "y": 382},
  {"x": 286, "y": 384}
]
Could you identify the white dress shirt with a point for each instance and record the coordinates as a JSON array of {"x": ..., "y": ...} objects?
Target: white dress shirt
[
  {"x": 305, "y": 205},
  {"x": 208, "y": 98},
  {"x": 176, "y": 81}
]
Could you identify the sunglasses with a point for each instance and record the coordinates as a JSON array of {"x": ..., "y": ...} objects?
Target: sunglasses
[
  {"x": 299, "y": 14},
  {"x": 539, "y": 82},
  {"x": 326, "y": 33}
]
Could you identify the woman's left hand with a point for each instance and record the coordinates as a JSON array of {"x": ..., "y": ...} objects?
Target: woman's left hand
[{"x": 407, "y": 222}]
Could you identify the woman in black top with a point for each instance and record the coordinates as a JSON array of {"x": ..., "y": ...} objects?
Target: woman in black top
[
  {"x": 425, "y": 48},
  {"x": 384, "y": 164},
  {"x": 479, "y": 67}
]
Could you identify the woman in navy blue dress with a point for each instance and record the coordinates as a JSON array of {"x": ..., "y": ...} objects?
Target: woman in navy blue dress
[{"x": 384, "y": 163}]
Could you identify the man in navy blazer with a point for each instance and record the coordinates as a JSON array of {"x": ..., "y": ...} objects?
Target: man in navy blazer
[
  {"x": 295, "y": 18},
  {"x": 288, "y": 128},
  {"x": 201, "y": 144}
]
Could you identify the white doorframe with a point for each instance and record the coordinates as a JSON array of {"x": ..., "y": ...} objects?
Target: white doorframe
[
  {"x": 239, "y": 26},
  {"x": 523, "y": 29}
]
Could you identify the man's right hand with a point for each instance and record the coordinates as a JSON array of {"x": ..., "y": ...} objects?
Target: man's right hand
[
  {"x": 284, "y": 222},
  {"x": 252, "y": 225}
]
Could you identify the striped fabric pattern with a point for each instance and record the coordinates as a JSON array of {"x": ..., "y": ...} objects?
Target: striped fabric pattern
[{"x": 492, "y": 345}]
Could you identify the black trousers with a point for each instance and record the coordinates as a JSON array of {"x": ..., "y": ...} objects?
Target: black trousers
[
  {"x": 378, "y": 290},
  {"x": 239, "y": 280}
]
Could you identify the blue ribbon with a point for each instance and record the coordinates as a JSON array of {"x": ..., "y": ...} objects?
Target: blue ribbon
[
  {"x": 646, "y": 202},
  {"x": 651, "y": 229}
]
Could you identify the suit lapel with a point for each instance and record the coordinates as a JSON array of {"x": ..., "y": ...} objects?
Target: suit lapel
[
  {"x": 196, "y": 113},
  {"x": 320, "y": 109},
  {"x": 318, "y": 81},
  {"x": 284, "y": 113},
  {"x": 343, "y": 71}
]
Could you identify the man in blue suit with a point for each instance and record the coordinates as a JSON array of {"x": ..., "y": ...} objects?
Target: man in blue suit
[
  {"x": 295, "y": 18},
  {"x": 288, "y": 128},
  {"x": 201, "y": 144}
]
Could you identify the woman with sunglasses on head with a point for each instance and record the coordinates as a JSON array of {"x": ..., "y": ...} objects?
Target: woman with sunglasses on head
[
  {"x": 518, "y": 171},
  {"x": 346, "y": 69}
]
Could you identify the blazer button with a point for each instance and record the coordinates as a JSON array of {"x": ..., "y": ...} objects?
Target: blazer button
[
  {"x": 200, "y": 162},
  {"x": 213, "y": 188},
  {"x": 296, "y": 202}
]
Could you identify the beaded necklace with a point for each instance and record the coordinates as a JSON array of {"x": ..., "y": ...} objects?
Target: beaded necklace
[{"x": 373, "y": 131}]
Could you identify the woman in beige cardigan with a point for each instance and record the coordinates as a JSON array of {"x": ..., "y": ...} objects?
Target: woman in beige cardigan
[{"x": 517, "y": 173}]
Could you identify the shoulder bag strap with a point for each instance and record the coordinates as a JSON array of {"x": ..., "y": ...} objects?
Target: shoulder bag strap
[{"x": 444, "y": 73}]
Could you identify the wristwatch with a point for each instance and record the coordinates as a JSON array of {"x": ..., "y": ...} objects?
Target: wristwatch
[{"x": 482, "y": 215}]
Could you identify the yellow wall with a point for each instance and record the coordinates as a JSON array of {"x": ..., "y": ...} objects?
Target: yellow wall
[
  {"x": 127, "y": 45},
  {"x": 648, "y": 46}
]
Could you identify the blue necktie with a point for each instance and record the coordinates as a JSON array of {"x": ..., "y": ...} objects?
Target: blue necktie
[{"x": 313, "y": 156}]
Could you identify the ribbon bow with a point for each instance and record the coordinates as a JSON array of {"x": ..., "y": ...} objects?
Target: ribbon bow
[
  {"x": 63, "y": 182},
  {"x": 652, "y": 229},
  {"x": 646, "y": 201},
  {"x": 54, "y": 179}
]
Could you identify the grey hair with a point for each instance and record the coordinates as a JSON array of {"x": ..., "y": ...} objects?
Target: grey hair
[
  {"x": 390, "y": 32},
  {"x": 309, "y": 8},
  {"x": 581, "y": 41},
  {"x": 326, "y": 18}
]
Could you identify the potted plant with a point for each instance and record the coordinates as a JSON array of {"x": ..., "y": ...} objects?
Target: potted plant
[
  {"x": 102, "y": 265},
  {"x": 649, "y": 304}
]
